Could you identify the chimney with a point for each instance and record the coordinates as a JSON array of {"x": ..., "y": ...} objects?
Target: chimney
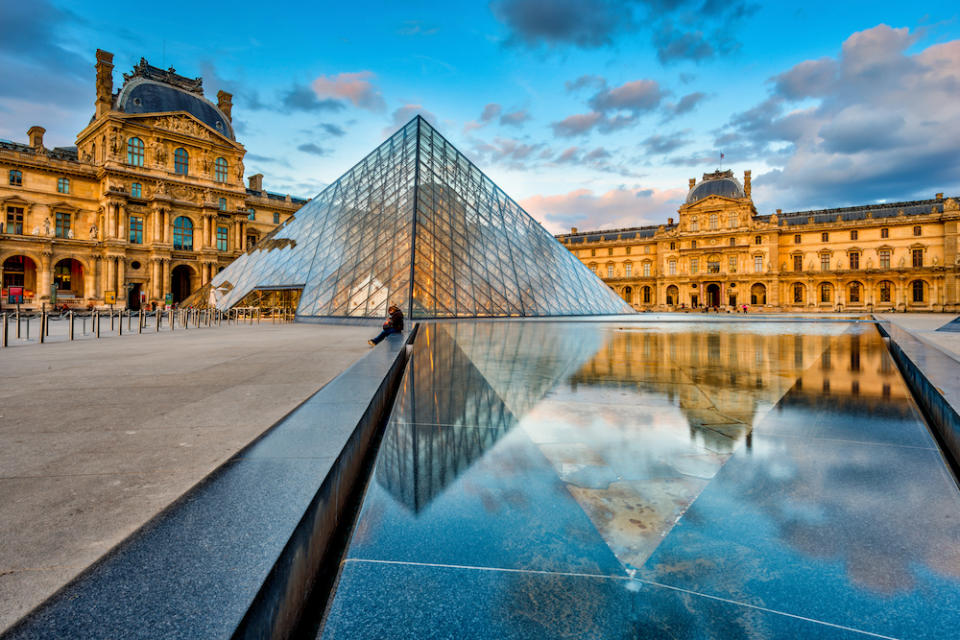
[
  {"x": 939, "y": 197},
  {"x": 573, "y": 229},
  {"x": 669, "y": 221},
  {"x": 35, "y": 134},
  {"x": 693, "y": 181},
  {"x": 225, "y": 103},
  {"x": 104, "y": 82},
  {"x": 746, "y": 182},
  {"x": 256, "y": 182}
]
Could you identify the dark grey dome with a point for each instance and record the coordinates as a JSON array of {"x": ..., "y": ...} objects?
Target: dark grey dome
[
  {"x": 716, "y": 184},
  {"x": 141, "y": 95}
]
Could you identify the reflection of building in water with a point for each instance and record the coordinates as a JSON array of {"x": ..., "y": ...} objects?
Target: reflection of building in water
[
  {"x": 466, "y": 385},
  {"x": 721, "y": 379}
]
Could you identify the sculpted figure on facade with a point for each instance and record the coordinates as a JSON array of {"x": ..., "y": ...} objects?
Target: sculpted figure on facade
[
  {"x": 46, "y": 227},
  {"x": 94, "y": 232}
]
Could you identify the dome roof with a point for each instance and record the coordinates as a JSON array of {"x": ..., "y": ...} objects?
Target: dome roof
[
  {"x": 143, "y": 95},
  {"x": 718, "y": 183}
]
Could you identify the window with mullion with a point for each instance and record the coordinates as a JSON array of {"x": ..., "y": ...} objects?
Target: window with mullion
[
  {"x": 136, "y": 229},
  {"x": 63, "y": 224},
  {"x": 222, "y": 238}
]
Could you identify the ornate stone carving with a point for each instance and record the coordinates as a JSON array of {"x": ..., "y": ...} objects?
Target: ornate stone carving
[{"x": 94, "y": 232}]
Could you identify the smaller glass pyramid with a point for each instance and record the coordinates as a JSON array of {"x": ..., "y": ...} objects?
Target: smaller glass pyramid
[{"x": 416, "y": 224}]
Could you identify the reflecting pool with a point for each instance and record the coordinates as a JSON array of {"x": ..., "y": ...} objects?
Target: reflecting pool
[{"x": 617, "y": 480}]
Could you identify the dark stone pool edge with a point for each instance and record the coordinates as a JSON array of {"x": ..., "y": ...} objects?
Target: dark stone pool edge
[
  {"x": 190, "y": 554},
  {"x": 934, "y": 378}
]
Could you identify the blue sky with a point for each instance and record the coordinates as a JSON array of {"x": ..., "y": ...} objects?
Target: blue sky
[{"x": 590, "y": 113}]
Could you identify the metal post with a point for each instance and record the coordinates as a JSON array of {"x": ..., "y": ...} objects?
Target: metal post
[
  {"x": 18, "y": 322},
  {"x": 111, "y": 317},
  {"x": 70, "y": 318},
  {"x": 140, "y": 321},
  {"x": 28, "y": 330},
  {"x": 43, "y": 323},
  {"x": 6, "y": 331},
  {"x": 83, "y": 322},
  {"x": 129, "y": 321},
  {"x": 119, "y": 322},
  {"x": 170, "y": 318},
  {"x": 96, "y": 321},
  {"x": 158, "y": 316}
]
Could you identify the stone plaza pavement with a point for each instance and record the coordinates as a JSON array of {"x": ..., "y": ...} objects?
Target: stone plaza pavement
[
  {"x": 96, "y": 437},
  {"x": 924, "y": 326}
]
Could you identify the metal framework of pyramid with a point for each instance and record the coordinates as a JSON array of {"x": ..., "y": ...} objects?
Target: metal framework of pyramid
[{"x": 416, "y": 224}]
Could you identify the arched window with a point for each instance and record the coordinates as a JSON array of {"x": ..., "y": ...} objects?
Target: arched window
[
  {"x": 853, "y": 293},
  {"x": 135, "y": 152},
  {"x": 183, "y": 233},
  {"x": 917, "y": 286},
  {"x": 826, "y": 293},
  {"x": 220, "y": 170},
  {"x": 181, "y": 161},
  {"x": 798, "y": 291},
  {"x": 628, "y": 295},
  {"x": 646, "y": 295},
  {"x": 886, "y": 291}
]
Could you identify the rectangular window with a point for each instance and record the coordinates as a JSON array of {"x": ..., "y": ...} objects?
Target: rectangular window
[
  {"x": 824, "y": 262},
  {"x": 136, "y": 229},
  {"x": 15, "y": 220},
  {"x": 798, "y": 263},
  {"x": 917, "y": 230},
  {"x": 796, "y": 238},
  {"x": 276, "y": 220},
  {"x": 646, "y": 249},
  {"x": 758, "y": 264},
  {"x": 16, "y": 178},
  {"x": 609, "y": 270},
  {"x": 732, "y": 264},
  {"x": 223, "y": 204},
  {"x": 824, "y": 237},
  {"x": 610, "y": 251},
  {"x": 251, "y": 214},
  {"x": 694, "y": 265},
  {"x": 136, "y": 190},
  {"x": 854, "y": 260},
  {"x": 251, "y": 242},
  {"x": 854, "y": 293},
  {"x": 627, "y": 269},
  {"x": 63, "y": 224},
  {"x": 646, "y": 269},
  {"x": 757, "y": 240},
  {"x": 672, "y": 267},
  {"x": 63, "y": 185},
  {"x": 628, "y": 250},
  {"x": 714, "y": 221},
  {"x": 884, "y": 233},
  {"x": 918, "y": 257},
  {"x": 693, "y": 244},
  {"x": 222, "y": 238},
  {"x": 884, "y": 258},
  {"x": 854, "y": 234}
]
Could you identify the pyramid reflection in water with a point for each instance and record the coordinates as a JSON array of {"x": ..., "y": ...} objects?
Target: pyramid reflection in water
[{"x": 417, "y": 224}]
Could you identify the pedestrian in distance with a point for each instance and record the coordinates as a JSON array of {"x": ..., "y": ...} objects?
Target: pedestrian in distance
[{"x": 394, "y": 324}]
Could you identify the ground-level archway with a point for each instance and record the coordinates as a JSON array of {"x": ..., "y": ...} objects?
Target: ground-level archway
[
  {"x": 182, "y": 280},
  {"x": 758, "y": 294},
  {"x": 673, "y": 295},
  {"x": 20, "y": 271},
  {"x": 713, "y": 295},
  {"x": 68, "y": 277}
]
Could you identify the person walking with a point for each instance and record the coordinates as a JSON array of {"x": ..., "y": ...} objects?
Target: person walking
[{"x": 394, "y": 324}]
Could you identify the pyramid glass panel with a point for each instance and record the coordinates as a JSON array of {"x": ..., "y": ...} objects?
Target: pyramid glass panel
[{"x": 416, "y": 224}]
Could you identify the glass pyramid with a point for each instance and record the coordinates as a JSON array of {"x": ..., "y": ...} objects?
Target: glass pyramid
[{"x": 417, "y": 224}]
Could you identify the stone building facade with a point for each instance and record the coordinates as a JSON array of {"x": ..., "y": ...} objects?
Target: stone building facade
[
  {"x": 721, "y": 253},
  {"x": 146, "y": 208}
]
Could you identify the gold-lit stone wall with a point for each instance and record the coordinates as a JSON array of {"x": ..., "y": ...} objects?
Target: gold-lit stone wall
[
  {"x": 147, "y": 225},
  {"x": 721, "y": 253}
]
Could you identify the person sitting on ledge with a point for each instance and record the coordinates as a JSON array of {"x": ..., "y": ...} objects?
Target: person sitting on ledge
[{"x": 394, "y": 324}]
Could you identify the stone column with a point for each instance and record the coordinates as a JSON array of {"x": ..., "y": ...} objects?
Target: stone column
[
  {"x": 111, "y": 230},
  {"x": 111, "y": 274},
  {"x": 243, "y": 235},
  {"x": 101, "y": 276},
  {"x": 166, "y": 226},
  {"x": 90, "y": 281},
  {"x": 121, "y": 222},
  {"x": 121, "y": 280},
  {"x": 45, "y": 276},
  {"x": 205, "y": 242},
  {"x": 156, "y": 226},
  {"x": 155, "y": 279},
  {"x": 164, "y": 276}
]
